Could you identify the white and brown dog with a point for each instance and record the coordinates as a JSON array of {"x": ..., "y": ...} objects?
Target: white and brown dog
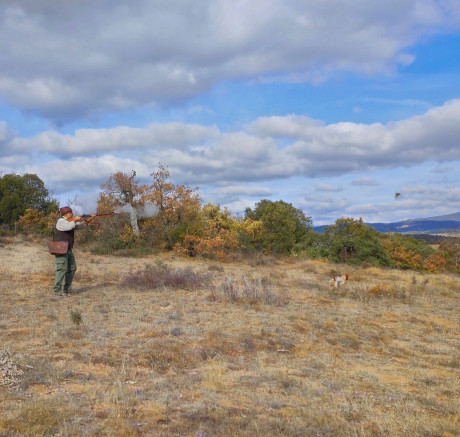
[{"x": 338, "y": 281}]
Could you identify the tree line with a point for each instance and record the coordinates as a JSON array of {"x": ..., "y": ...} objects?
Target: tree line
[{"x": 185, "y": 224}]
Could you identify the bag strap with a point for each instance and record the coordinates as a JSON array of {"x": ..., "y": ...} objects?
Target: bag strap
[{"x": 54, "y": 231}]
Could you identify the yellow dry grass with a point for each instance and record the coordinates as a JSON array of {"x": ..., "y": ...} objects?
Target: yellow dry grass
[{"x": 380, "y": 357}]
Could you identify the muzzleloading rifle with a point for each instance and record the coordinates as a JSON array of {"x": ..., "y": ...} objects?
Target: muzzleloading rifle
[{"x": 86, "y": 217}]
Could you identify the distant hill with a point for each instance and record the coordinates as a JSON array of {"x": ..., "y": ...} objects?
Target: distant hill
[
  {"x": 449, "y": 217},
  {"x": 432, "y": 225}
]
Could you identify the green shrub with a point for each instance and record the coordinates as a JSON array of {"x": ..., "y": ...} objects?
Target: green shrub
[{"x": 351, "y": 241}]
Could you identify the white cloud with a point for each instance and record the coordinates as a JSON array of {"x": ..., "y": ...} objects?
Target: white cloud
[
  {"x": 206, "y": 155},
  {"x": 198, "y": 109},
  {"x": 403, "y": 102},
  {"x": 443, "y": 169},
  {"x": 239, "y": 206},
  {"x": 245, "y": 190},
  {"x": 90, "y": 141},
  {"x": 432, "y": 194},
  {"x": 75, "y": 59},
  {"x": 236, "y": 169},
  {"x": 349, "y": 147},
  {"x": 325, "y": 209},
  {"x": 83, "y": 173},
  {"x": 425, "y": 201},
  {"x": 5, "y": 133},
  {"x": 328, "y": 188},
  {"x": 13, "y": 163},
  {"x": 365, "y": 182},
  {"x": 234, "y": 193}
]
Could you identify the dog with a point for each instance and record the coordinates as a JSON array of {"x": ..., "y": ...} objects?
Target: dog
[{"x": 338, "y": 281}]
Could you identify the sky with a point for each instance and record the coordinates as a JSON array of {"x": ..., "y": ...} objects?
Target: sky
[{"x": 333, "y": 106}]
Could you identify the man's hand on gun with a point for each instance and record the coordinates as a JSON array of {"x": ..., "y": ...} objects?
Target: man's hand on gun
[
  {"x": 81, "y": 218},
  {"x": 87, "y": 219}
]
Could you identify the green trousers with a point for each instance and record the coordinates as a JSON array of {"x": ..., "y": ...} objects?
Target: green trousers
[{"x": 65, "y": 269}]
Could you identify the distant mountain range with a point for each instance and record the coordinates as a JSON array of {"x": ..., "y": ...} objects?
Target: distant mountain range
[{"x": 432, "y": 225}]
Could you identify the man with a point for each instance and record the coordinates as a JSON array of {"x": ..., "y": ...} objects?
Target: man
[{"x": 65, "y": 264}]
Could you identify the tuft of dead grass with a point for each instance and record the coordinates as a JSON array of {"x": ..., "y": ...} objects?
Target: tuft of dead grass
[
  {"x": 40, "y": 417},
  {"x": 10, "y": 372},
  {"x": 248, "y": 290},
  {"x": 164, "y": 356},
  {"x": 160, "y": 275}
]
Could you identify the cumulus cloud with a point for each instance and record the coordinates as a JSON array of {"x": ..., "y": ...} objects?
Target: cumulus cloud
[
  {"x": 443, "y": 169},
  {"x": 205, "y": 155},
  {"x": 404, "y": 102},
  {"x": 328, "y": 188},
  {"x": 199, "y": 109},
  {"x": 233, "y": 193},
  {"x": 90, "y": 141},
  {"x": 432, "y": 194},
  {"x": 82, "y": 172},
  {"x": 365, "y": 182},
  {"x": 5, "y": 133},
  {"x": 347, "y": 147},
  {"x": 72, "y": 59},
  {"x": 426, "y": 201},
  {"x": 324, "y": 208},
  {"x": 14, "y": 163}
]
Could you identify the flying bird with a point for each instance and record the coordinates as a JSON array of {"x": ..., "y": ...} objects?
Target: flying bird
[{"x": 397, "y": 195}]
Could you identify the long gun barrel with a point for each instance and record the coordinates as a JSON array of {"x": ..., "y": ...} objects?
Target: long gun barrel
[
  {"x": 97, "y": 215},
  {"x": 87, "y": 217}
]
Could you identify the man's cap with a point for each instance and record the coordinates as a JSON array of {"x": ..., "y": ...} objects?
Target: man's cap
[{"x": 65, "y": 209}]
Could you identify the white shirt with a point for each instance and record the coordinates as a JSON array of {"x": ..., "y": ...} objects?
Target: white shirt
[{"x": 64, "y": 225}]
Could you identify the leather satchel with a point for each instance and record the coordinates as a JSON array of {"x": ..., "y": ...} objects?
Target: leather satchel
[{"x": 58, "y": 247}]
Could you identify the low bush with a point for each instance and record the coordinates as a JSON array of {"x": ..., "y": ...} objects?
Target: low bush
[
  {"x": 10, "y": 371},
  {"x": 160, "y": 275},
  {"x": 76, "y": 317},
  {"x": 252, "y": 291},
  {"x": 39, "y": 418}
]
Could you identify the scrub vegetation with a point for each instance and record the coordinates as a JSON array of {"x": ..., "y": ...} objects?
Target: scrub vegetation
[
  {"x": 179, "y": 222},
  {"x": 188, "y": 321},
  {"x": 257, "y": 345}
]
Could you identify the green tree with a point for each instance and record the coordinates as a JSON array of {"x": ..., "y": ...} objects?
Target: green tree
[
  {"x": 284, "y": 226},
  {"x": 352, "y": 241},
  {"x": 19, "y": 193}
]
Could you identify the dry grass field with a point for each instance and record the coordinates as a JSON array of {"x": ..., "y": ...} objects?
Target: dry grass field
[{"x": 260, "y": 347}]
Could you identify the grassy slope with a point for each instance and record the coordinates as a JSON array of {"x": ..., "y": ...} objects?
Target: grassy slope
[{"x": 380, "y": 358}]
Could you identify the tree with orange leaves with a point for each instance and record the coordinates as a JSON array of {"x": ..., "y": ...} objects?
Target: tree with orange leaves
[
  {"x": 179, "y": 209},
  {"x": 123, "y": 189}
]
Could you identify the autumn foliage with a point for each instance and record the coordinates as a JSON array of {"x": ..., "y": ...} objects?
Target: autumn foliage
[
  {"x": 217, "y": 238},
  {"x": 182, "y": 223}
]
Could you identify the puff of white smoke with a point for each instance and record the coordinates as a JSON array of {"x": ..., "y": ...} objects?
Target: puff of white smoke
[
  {"x": 147, "y": 211},
  {"x": 77, "y": 209},
  {"x": 125, "y": 208}
]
